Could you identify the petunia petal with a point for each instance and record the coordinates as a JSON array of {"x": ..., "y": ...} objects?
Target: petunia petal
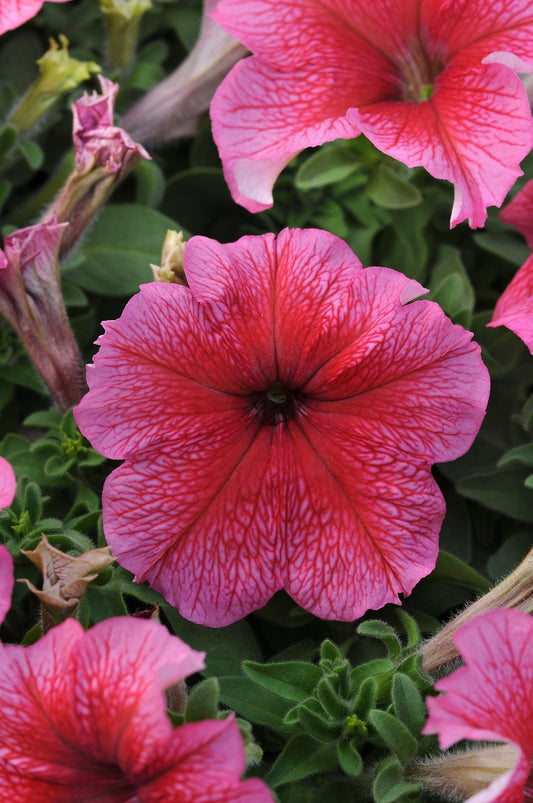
[
  {"x": 8, "y": 483},
  {"x": 515, "y": 306},
  {"x": 15, "y": 12},
  {"x": 519, "y": 212},
  {"x": 460, "y": 134},
  {"x": 7, "y": 581},
  {"x": 490, "y": 697}
]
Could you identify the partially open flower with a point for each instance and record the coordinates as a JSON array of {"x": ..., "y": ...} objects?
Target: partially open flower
[
  {"x": 31, "y": 300},
  {"x": 65, "y": 578}
]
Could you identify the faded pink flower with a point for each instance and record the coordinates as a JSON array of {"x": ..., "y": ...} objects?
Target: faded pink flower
[
  {"x": 429, "y": 82},
  {"x": 84, "y": 719},
  {"x": 31, "y": 300},
  {"x": 6, "y": 582},
  {"x": 515, "y": 306},
  {"x": 8, "y": 483},
  {"x": 278, "y": 419},
  {"x": 15, "y": 12},
  {"x": 99, "y": 143},
  {"x": 519, "y": 212},
  {"x": 491, "y": 698}
]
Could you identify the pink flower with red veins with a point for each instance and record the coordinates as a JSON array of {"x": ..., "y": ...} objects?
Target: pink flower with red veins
[
  {"x": 8, "y": 484},
  {"x": 515, "y": 306},
  {"x": 278, "y": 419},
  {"x": 491, "y": 699},
  {"x": 519, "y": 212},
  {"x": 15, "y": 12},
  {"x": 84, "y": 719},
  {"x": 429, "y": 82}
]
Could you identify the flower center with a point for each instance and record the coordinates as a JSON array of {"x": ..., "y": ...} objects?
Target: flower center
[
  {"x": 418, "y": 71},
  {"x": 276, "y": 405}
]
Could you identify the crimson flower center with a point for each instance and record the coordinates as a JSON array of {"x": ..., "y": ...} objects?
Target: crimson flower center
[
  {"x": 277, "y": 404},
  {"x": 418, "y": 71}
]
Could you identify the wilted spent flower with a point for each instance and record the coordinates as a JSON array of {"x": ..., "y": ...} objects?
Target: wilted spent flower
[{"x": 65, "y": 578}]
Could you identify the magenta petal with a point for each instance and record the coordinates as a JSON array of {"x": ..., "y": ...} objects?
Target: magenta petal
[
  {"x": 519, "y": 212},
  {"x": 515, "y": 306},
  {"x": 15, "y": 12},
  {"x": 490, "y": 697},
  {"x": 7, "y": 581},
  {"x": 459, "y": 135},
  {"x": 302, "y": 112},
  {"x": 8, "y": 483}
]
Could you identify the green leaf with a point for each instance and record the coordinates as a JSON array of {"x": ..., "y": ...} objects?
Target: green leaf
[
  {"x": 394, "y": 734},
  {"x": 203, "y": 701},
  {"x": 408, "y": 703},
  {"x": 8, "y": 138},
  {"x": 118, "y": 251},
  {"x": 503, "y": 245},
  {"x": 254, "y": 703},
  {"x": 388, "y": 190},
  {"x": 411, "y": 628},
  {"x": 381, "y": 630},
  {"x": 315, "y": 721},
  {"x": 390, "y": 785},
  {"x": 520, "y": 454},
  {"x": 330, "y": 701},
  {"x": 301, "y": 757},
  {"x": 453, "y": 570},
  {"x": 366, "y": 697},
  {"x": 326, "y": 166},
  {"x": 32, "y": 154},
  {"x": 502, "y": 490},
  {"x": 349, "y": 758},
  {"x": 292, "y": 680}
]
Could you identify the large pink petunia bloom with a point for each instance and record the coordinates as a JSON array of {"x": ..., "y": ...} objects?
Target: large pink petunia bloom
[
  {"x": 278, "y": 419},
  {"x": 491, "y": 698},
  {"x": 429, "y": 82},
  {"x": 84, "y": 719},
  {"x": 8, "y": 483},
  {"x": 515, "y": 306},
  {"x": 15, "y": 12}
]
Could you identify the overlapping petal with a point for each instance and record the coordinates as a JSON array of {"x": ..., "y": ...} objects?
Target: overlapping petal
[
  {"x": 6, "y": 581},
  {"x": 515, "y": 306},
  {"x": 519, "y": 212},
  {"x": 490, "y": 698},
  {"x": 300, "y": 403},
  {"x": 8, "y": 483},
  {"x": 430, "y": 82},
  {"x": 15, "y": 12}
]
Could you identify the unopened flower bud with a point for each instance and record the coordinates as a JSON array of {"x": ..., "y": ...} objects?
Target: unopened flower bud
[
  {"x": 123, "y": 18},
  {"x": 457, "y": 776},
  {"x": 59, "y": 73},
  {"x": 171, "y": 268}
]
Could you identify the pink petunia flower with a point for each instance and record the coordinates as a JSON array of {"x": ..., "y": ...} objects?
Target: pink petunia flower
[
  {"x": 15, "y": 12},
  {"x": 84, "y": 719},
  {"x": 519, "y": 212},
  {"x": 278, "y": 419},
  {"x": 8, "y": 484},
  {"x": 429, "y": 82},
  {"x": 514, "y": 308},
  {"x": 491, "y": 698}
]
